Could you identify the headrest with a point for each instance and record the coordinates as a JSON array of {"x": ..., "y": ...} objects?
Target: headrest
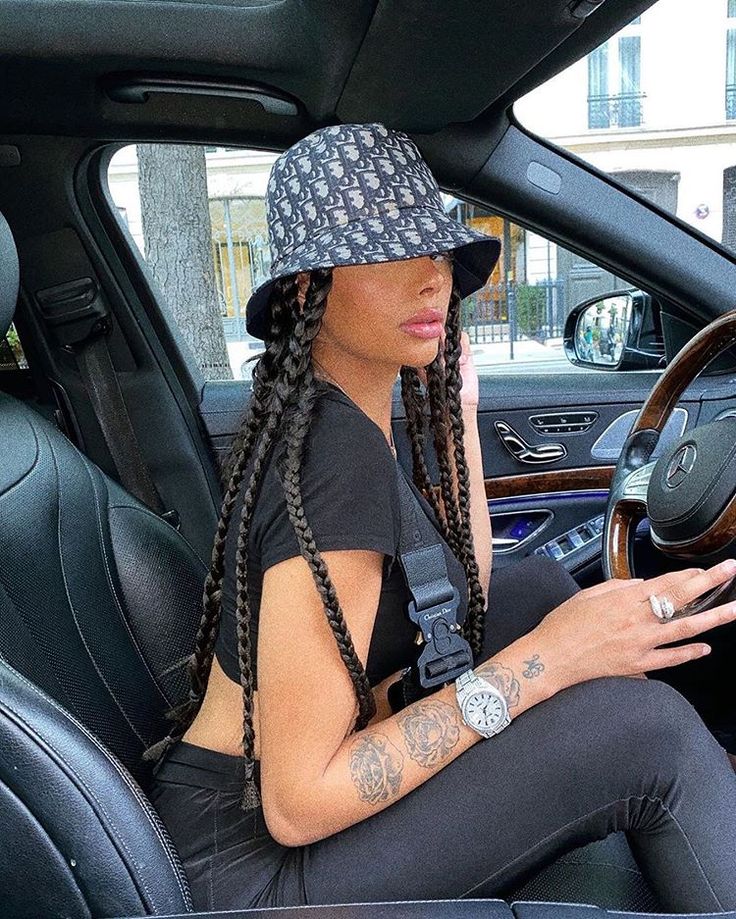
[{"x": 8, "y": 277}]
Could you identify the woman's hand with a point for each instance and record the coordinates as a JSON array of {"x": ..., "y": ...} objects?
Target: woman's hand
[
  {"x": 468, "y": 373},
  {"x": 380, "y": 694},
  {"x": 610, "y": 629}
]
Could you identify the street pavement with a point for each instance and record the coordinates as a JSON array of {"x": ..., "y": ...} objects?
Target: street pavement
[{"x": 529, "y": 357}]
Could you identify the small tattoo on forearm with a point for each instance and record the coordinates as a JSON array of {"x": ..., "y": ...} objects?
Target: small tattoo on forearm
[
  {"x": 503, "y": 679},
  {"x": 533, "y": 668},
  {"x": 375, "y": 767},
  {"x": 431, "y": 731}
]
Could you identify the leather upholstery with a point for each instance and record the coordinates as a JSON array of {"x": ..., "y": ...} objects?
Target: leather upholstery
[
  {"x": 387, "y": 909},
  {"x": 99, "y": 603},
  {"x": 8, "y": 277},
  {"x": 99, "y": 598},
  {"x": 85, "y": 841}
]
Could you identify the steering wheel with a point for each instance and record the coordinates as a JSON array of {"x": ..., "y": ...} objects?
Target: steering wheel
[{"x": 689, "y": 492}]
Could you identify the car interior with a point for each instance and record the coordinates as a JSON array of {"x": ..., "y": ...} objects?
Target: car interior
[{"x": 113, "y": 439}]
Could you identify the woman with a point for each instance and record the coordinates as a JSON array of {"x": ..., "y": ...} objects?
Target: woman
[{"x": 361, "y": 801}]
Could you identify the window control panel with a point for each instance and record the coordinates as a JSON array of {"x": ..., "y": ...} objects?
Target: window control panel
[
  {"x": 574, "y": 539},
  {"x": 563, "y": 422}
]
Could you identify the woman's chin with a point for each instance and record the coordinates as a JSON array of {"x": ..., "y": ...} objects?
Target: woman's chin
[
  {"x": 420, "y": 354},
  {"x": 423, "y": 353}
]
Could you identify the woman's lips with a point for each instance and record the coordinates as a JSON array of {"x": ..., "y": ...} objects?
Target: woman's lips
[{"x": 423, "y": 329}]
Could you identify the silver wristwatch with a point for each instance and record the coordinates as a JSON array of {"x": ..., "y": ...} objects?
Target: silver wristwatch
[{"x": 482, "y": 706}]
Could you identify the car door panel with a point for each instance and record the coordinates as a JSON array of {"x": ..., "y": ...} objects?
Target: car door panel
[
  {"x": 573, "y": 488},
  {"x": 570, "y": 530},
  {"x": 535, "y": 507}
]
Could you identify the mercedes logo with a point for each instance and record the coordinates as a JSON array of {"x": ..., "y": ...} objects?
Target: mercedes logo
[{"x": 681, "y": 465}]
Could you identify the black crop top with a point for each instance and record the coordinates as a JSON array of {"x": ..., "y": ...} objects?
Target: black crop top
[{"x": 351, "y": 500}]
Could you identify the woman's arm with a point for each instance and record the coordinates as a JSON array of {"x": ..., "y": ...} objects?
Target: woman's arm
[
  {"x": 375, "y": 767},
  {"x": 372, "y": 768}
]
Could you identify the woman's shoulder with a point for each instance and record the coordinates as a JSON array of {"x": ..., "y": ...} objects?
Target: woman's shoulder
[
  {"x": 347, "y": 485},
  {"x": 344, "y": 449},
  {"x": 338, "y": 431}
]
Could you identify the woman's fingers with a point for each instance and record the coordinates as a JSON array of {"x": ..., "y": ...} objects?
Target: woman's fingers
[
  {"x": 682, "y": 587},
  {"x": 672, "y": 657},
  {"x": 689, "y": 626}
]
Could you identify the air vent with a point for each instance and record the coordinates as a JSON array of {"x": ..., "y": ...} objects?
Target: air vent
[{"x": 656, "y": 343}]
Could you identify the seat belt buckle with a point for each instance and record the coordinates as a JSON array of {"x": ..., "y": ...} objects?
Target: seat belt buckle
[
  {"x": 75, "y": 311},
  {"x": 446, "y": 653}
]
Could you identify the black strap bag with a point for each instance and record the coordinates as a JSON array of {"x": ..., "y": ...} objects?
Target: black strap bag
[{"x": 445, "y": 654}]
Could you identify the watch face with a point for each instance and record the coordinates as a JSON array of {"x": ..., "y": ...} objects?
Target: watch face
[{"x": 485, "y": 710}]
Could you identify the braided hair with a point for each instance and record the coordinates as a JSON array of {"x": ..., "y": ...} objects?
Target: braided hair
[{"x": 281, "y": 410}]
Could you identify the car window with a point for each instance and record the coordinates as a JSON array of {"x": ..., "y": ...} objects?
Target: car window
[
  {"x": 11, "y": 352},
  {"x": 654, "y": 107},
  {"x": 197, "y": 215}
]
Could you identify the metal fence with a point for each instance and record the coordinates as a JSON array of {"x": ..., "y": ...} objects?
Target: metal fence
[
  {"x": 514, "y": 312},
  {"x": 499, "y": 312}
]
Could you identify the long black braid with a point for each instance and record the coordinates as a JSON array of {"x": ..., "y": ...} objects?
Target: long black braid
[{"x": 280, "y": 411}]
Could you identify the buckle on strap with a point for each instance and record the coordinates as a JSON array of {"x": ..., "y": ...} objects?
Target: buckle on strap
[{"x": 446, "y": 653}]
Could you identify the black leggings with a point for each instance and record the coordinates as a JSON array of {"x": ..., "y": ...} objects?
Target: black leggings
[{"x": 606, "y": 755}]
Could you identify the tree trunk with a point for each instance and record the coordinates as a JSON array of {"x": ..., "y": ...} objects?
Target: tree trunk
[{"x": 177, "y": 234}]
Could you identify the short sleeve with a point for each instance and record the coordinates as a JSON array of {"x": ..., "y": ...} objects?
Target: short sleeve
[{"x": 349, "y": 489}]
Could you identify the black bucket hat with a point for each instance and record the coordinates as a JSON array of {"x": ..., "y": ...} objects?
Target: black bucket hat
[{"x": 356, "y": 194}]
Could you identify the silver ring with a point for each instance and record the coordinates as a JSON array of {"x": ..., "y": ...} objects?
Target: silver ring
[{"x": 662, "y": 607}]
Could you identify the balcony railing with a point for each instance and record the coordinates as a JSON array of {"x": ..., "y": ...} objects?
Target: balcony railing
[
  {"x": 621, "y": 111},
  {"x": 730, "y": 100}
]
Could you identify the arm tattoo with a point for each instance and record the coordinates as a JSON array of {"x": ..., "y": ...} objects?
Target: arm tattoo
[
  {"x": 533, "y": 668},
  {"x": 430, "y": 732},
  {"x": 375, "y": 767},
  {"x": 503, "y": 679}
]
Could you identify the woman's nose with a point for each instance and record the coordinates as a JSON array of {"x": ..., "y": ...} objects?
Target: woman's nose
[{"x": 437, "y": 270}]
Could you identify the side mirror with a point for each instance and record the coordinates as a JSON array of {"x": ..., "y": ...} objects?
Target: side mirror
[{"x": 619, "y": 331}]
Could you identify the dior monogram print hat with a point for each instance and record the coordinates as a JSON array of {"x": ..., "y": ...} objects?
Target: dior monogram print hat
[{"x": 355, "y": 194}]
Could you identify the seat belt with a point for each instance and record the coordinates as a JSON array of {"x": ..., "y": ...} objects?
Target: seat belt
[
  {"x": 433, "y": 607},
  {"x": 81, "y": 322}
]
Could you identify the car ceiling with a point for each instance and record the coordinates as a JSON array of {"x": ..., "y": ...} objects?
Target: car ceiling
[{"x": 422, "y": 66}]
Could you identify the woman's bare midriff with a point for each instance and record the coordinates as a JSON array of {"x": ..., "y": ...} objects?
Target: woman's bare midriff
[{"x": 219, "y": 722}]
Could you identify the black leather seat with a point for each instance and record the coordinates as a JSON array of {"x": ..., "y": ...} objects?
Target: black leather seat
[
  {"x": 80, "y": 838},
  {"x": 99, "y": 597},
  {"x": 99, "y": 604}
]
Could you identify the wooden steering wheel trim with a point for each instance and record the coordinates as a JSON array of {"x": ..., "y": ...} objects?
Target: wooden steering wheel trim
[
  {"x": 623, "y": 527},
  {"x": 622, "y": 515}
]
